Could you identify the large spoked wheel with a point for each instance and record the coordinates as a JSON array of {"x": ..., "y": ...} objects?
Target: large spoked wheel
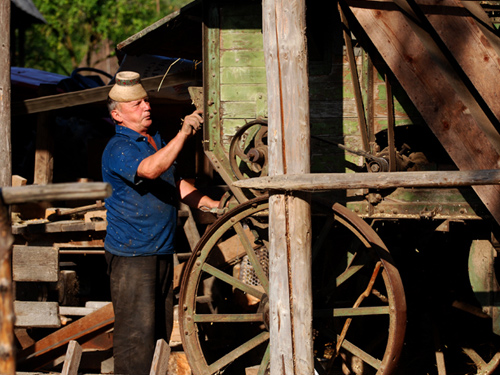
[{"x": 359, "y": 304}]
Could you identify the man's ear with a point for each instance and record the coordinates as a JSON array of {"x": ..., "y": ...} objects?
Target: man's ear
[{"x": 116, "y": 115}]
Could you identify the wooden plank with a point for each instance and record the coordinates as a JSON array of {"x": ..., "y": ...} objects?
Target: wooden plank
[
  {"x": 178, "y": 364},
  {"x": 412, "y": 59},
  {"x": 52, "y": 346},
  {"x": 243, "y": 110},
  {"x": 94, "y": 95},
  {"x": 72, "y": 360},
  {"x": 18, "y": 181},
  {"x": 241, "y": 40},
  {"x": 159, "y": 365},
  {"x": 239, "y": 92},
  {"x": 485, "y": 22},
  {"x": 37, "y": 314},
  {"x": 245, "y": 58},
  {"x": 243, "y": 75},
  {"x": 35, "y": 263},
  {"x": 382, "y": 180},
  {"x": 43, "y": 226},
  {"x": 190, "y": 228},
  {"x": 62, "y": 191},
  {"x": 23, "y": 338},
  {"x": 470, "y": 47}
]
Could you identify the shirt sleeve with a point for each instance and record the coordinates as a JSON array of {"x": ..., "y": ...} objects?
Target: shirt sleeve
[{"x": 124, "y": 160}]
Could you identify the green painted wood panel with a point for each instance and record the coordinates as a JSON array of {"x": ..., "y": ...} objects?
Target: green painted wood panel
[
  {"x": 242, "y": 58},
  {"x": 239, "y": 92},
  {"x": 237, "y": 110},
  {"x": 242, "y": 75},
  {"x": 241, "y": 40}
]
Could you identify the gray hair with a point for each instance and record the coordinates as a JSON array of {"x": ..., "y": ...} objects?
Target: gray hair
[{"x": 112, "y": 104}]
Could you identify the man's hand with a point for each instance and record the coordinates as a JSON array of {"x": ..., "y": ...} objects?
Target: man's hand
[{"x": 192, "y": 123}]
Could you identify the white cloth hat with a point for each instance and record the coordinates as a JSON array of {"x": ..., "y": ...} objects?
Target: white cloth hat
[{"x": 127, "y": 87}]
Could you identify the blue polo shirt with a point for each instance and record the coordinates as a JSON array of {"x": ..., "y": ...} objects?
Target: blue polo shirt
[{"x": 141, "y": 213}]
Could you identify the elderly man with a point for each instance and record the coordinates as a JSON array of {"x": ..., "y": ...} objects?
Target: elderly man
[{"x": 142, "y": 218}]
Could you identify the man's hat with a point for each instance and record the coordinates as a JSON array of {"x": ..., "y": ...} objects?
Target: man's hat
[{"x": 127, "y": 87}]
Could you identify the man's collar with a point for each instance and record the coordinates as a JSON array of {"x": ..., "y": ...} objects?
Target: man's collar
[{"x": 132, "y": 134}]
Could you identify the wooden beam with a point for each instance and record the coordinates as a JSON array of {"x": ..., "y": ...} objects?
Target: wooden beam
[
  {"x": 44, "y": 153},
  {"x": 37, "y": 314},
  {"x": 35, "y": 263},
  {"x": 290, "y": 290},
  {"x": 72, "y": 360},
  {"x": 470, "y": 47},
  {"x": 62, "y": 191},
  {"x": 190, "y": 228},
  {"x": 5, "y": 97},
  {"x": 382, "y": 180},
  {"x": 52, "y": 346},
  {"x": 159, "y": 366},
  {"x": 94, "y": 95},
  {"x": 7, "y": 359}
]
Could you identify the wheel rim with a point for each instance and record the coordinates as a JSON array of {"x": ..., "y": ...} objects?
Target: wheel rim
[
  {"x": 224, "y": 320},
  {"x": 248, "y": 150}
]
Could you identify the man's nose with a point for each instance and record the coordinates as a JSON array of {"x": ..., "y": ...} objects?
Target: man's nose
[{"x": 146, "y": 105}]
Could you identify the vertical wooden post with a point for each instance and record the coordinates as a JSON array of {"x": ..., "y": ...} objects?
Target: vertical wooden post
[
  {"x": 5, "y": 142},
  {"x": 7, "y": 359},
  {"x": 289, "y": 214},
  {"x": 44, "y": 160}
]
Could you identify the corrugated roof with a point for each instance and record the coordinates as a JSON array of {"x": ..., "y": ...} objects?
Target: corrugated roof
[{"x": 28, "y": 7}]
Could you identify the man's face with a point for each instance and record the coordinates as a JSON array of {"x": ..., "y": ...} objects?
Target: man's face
[{"x": 135, "y": 115}]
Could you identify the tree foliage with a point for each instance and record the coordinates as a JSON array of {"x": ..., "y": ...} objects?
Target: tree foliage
[{"x": 76, "y": 30}]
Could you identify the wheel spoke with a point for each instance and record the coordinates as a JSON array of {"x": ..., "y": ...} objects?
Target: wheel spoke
[
  {"x": 352, "y": 312},
  {"x": 259, "y": 136},
  {"x": 259, "y": 271},
  {"x": 232, "y": 281},
  {"x": 358, "y": 352},
  {"x": 360, "y": 299},
  {"x": 357, "y": 264},
  {"x": 238, "y": 352},
  {"x": 265, "y": 361},
  {"x": 239, "y": 152},
  {"x": 228, "y": 318}
]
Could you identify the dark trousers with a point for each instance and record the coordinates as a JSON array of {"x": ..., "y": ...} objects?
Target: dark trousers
[{"x": 142, "y": 296}]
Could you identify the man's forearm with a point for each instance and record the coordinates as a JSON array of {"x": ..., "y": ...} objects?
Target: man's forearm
[{"x": 153, "y": 166}]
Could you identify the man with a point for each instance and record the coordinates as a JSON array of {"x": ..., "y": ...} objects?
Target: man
[{"x": 142, "y": 218}]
